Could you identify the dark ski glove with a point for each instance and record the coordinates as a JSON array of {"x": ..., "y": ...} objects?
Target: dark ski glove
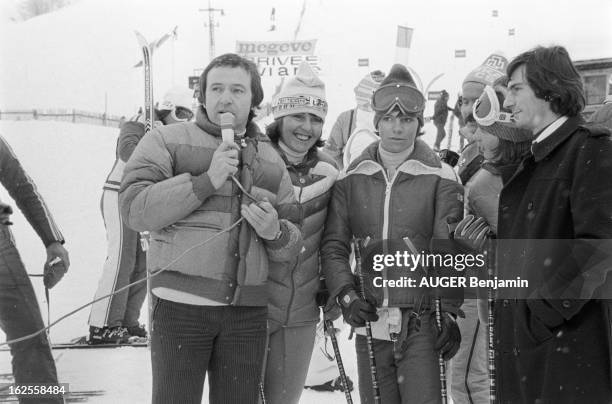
[
  {"x": 448, "y": 338},
  {"x": 355, "y": 310}
]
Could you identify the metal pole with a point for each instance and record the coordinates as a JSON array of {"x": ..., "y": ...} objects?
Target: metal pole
[
  {"x": 211, "y": 28},
  {"x": 329, "y": 327},
  {"x": 368, "y": 325},
  {"x": 441, "y": 363},
  {"x": 490, "y": 259}
]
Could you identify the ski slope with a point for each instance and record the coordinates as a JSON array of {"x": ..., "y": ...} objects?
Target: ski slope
[{"x": 69, "y": 163}]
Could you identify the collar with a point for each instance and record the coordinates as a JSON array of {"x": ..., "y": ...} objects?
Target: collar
[
  {"x": 422, "y": 153},
  {"x": 391, "y": 160},
  {"x": 292, "y": 156},
  {"x": 546, "y": 132},
  {"x": 202, "y": 121},
  {"x": 555, "y": 134}
]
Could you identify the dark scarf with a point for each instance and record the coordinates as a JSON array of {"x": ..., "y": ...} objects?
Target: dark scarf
[{"x": 240, "y": 238}]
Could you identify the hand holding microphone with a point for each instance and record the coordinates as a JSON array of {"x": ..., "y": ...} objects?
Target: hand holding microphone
[{"x": 224, "y": 161}]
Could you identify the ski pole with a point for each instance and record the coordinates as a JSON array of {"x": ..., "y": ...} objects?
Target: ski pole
[
  {"x": 262, "y": 395},
  {"x": 450, "y": 131},
  {"x": 48, "y": 315},
  {"x": 441, "y": 363},
  {"x": 490, "y": 259},
  {"x": 368, "y": 325},
  {"x": 329, "y": 327}
]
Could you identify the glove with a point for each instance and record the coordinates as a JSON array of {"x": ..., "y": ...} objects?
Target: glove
[
  {"x": 355, "y": 310},
  {"x": 448, "y": 338},
  {"x": 5, "y": 212},
  {"x": 56, "y": 265},
  {"x": 471, "y": 232},
  {"x": 449, "y": 157}
]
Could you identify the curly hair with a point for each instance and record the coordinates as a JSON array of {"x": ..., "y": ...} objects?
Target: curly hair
[
  {"x": 233, "y": 60},
  {"x": 553, "y": 78}
]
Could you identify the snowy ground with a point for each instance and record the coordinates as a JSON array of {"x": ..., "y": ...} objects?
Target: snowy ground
[{"x": 69, "y": 163}]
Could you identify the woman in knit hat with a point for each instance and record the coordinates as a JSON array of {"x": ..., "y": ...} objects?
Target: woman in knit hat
[
  {"x": 502, "y": 145},
  {"x": 299, "y": 112},
  {"x": 397, "y": 193}
]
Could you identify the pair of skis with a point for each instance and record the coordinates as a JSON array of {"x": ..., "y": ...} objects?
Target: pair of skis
[{"x": 148, "y": 114}]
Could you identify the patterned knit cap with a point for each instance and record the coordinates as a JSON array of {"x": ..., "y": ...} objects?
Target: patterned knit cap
[{"x": 304, "y": 93}]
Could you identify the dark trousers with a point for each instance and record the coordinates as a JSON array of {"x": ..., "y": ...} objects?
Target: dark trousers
[
  {"x": 20, "y": 316},
  {"x": 412, "y": 377},
  {"x": 187, "y": 341},
  {"x": 440, "y": 135}
]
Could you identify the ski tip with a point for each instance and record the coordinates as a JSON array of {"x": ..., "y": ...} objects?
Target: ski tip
[{"x": 141, "y": 39}]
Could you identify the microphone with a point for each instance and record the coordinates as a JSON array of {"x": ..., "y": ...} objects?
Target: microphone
[{"x": 227, "y": 130}]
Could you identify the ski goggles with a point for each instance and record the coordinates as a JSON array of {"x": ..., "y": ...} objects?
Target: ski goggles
[
  {"x": 487, "y": 111},
  {"x": 407, "y": 98},
  {"x": 182, "y": 114}
]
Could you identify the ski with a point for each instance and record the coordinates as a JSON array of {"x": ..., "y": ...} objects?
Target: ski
[{"x": 148, "y": 110}]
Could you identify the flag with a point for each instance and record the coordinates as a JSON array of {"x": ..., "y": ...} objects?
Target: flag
[
  {"x": 494, "y": 13},
  {"x": 511, "y": 32},
  {"x": 460, "y": 53},
  {"x": 157, "y": 43},
  {"x": 404, "y": 36},
  {"x": 363, "y": 62},
  {"x": 272, "y": 20}
]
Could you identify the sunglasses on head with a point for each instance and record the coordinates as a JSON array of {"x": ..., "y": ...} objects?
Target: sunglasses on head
[
  {"x": 403, "y": 96},
  {"x": 487, "y": 111}
]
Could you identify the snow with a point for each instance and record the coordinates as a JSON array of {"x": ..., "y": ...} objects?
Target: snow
[{"x": 69, "y": 163}]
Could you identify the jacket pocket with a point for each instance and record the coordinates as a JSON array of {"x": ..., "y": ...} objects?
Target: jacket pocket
[{"x": 192, "y": 248}]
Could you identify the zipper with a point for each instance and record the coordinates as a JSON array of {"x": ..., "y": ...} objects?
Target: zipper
[
  {"x": 297, "y": 263},
  {"x": 195, "y": 226},
  {"x": 385, "y": 229}
]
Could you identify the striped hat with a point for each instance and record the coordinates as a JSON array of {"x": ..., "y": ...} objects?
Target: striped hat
[
  {"x": 304, "y": 93},
  {"x": 366, "y": 87}
]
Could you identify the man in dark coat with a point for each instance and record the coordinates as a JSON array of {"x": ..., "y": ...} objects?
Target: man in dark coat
[
  {"x": 555, "y": 226},
  {"x": 440, "y": 116}
]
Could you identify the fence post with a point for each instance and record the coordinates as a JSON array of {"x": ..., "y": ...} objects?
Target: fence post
[
  {"x": 73, "y": 115},
  {"x": 34, "y": 114}
]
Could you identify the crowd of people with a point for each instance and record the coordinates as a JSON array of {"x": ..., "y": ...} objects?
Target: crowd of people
[{"x": 252, "y": 240}]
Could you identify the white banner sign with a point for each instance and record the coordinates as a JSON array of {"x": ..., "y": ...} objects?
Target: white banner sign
[
  {"x": 253, "y": 49},
  {"x": 283, "y": 65}
]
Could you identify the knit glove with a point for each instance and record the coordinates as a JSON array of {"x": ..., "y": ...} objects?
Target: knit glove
[
  {"x": 471, "y": 232},
  {"x": 448, "y": 338},
  {"x": 355, "y": 310}
]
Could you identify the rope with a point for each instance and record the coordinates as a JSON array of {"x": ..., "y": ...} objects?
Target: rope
[{"x": 34, "y": 334}]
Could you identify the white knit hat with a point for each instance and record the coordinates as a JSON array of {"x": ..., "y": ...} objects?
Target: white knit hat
[
  {"x": 177, "y": 97},
  {"x": 304, "y": 93}
]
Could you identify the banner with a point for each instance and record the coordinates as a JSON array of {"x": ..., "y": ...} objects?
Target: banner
[
  {"x": 460, "y": 53},
  {"x": 404, "y": 36},
  {"x": 283, "y": 65},
  {"x": 363, "y": 62},
  {"x": 433, "y": 95},
  {"x": 253, "y": 49}
]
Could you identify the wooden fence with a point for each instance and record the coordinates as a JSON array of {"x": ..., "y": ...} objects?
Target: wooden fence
[{"x": 74, "y": 116}]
